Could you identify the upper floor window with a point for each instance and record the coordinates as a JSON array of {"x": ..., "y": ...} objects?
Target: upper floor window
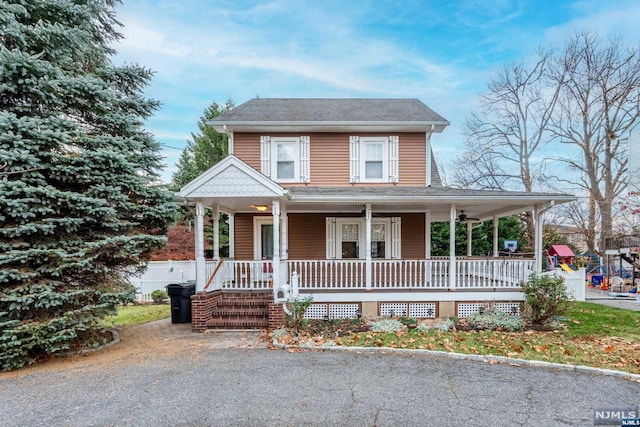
[
  {"x": 285, "y": 159},
  {"x": 373, "y": 159}
]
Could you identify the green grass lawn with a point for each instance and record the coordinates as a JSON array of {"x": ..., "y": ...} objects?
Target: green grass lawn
[
  {"x": 594, "y": 335},
  {"x": 138, "y": 314}
]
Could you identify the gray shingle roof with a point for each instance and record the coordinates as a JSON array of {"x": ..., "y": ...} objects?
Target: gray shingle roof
[{"x": 331, "y": 110}]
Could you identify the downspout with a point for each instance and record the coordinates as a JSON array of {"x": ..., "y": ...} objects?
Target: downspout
[
  {"x": 538, "y": 242},
  {"x": 229, "y": 139}
]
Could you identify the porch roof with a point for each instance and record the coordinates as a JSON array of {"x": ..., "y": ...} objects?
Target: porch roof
[{"x": 480, "y": 204}]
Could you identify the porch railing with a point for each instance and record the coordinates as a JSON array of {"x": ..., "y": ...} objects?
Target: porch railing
[
  {"x": 411, "y": 274},
  {"x": 241, "y": 275}
]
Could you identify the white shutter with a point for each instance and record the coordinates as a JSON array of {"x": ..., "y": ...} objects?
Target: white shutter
[
  {"x": 354, "y": 159},
  {"x": 305, "y": 173},
  {"x": 393, "y": 159},
  {"x": 331, "y": 237},
  {"x": 265, "y": 155},
  {"x": 396, "y": 242}
]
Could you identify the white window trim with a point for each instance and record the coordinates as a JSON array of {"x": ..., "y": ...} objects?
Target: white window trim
[
  {"x": 385, "y": 157},
  {"x": 387, "y": 235},
  {"x": 258, "y": 221},
  {"x": 295, "y": 141},
  {"x": 337, "y": 238}
]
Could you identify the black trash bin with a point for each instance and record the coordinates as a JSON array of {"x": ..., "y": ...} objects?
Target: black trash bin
[{"x": 180, "y": 294}]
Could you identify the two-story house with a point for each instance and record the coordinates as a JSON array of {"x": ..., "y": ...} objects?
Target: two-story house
[{"x": 334, "y": 198}]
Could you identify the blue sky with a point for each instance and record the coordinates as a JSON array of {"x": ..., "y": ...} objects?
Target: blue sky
[{"x": 442, "y": 52}]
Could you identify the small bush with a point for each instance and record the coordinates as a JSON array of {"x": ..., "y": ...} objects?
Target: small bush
[
  {"x": 493, "y": 319},
  {"x": 387, "y": 325},
  {"x": 409, "y": 322},
  {"x": 441, "y": 325},
  {"x": 297, "y": 307},
  {"x": 545, "y": 298},
  {"x": 158, "y": 296}
]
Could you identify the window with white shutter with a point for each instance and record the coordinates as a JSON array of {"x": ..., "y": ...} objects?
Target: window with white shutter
[
  {"x": 346, "y": 238},
  {"x": 374, "y": 159},
  {"x": 285, "y": 159}
]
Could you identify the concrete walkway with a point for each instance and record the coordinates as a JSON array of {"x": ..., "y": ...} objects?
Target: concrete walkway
[{"x": 607, "y": 298}]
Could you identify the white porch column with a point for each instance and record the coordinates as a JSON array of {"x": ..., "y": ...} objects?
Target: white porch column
[
  {"x": 367, "y": 255},
  {"x": 216, "y": 232},
  {"x": 284, "y": 241},
  {"x": 427, "y": 235},
  {"x": 538, "y": 215},
  {"x": 275, "y": 211},
  {"x": 232, "y": 235},
  {"x": 496, "y": 222},
  {"x": 452, "y": 247},
  {"x": 201, "y": 280},
  {"x": 469, "y": 233}
]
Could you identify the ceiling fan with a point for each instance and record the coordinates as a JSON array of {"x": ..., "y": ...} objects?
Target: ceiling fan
[{"x": 463, "y": 217}]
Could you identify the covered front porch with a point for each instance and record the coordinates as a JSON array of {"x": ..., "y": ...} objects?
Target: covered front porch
[{"x": 356, "y": 245}]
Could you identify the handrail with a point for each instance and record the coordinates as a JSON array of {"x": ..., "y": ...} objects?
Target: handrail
[{"x": 215, "y": 271}]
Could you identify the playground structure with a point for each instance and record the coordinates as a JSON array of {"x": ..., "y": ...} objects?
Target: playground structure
[
  {"x": 622, "y": 255},
  {"x": 560, "y": 256}
]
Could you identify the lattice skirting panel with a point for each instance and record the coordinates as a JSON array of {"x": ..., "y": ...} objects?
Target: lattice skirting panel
[
  {"x": 418, "y": 310},
  {"x": 333, "y": 310},
  {"x": 465, "y": 309}
]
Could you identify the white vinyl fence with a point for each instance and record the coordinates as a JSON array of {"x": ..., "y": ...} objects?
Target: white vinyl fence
[
  {"x": 160, "y": 274},
  {"x": 575, "y": 282}
]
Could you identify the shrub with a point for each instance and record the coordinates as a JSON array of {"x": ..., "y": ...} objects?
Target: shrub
[
  {"x": 387, "y": 325},
  {"x": 409, "y": 322},
  {"x": 158, "y": 296},
  {"x": 493, "y": 318},
  {"x": 441, "y": 325},
  {"x": 545, "y": 298},
  {"x": 297, "y": 308}
]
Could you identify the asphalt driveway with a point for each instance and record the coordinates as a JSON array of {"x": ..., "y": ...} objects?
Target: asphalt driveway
[{"x": 187, "y": 380}]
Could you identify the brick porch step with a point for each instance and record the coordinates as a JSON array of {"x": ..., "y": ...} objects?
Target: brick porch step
[
  {"x": 239, "y": 310},
  {"x": 243, "y": 323},
  {"x": 222, "y": 311}
]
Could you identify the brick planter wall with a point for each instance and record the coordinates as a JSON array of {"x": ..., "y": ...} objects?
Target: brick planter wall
[
  {"x": 276, "y": 316},
  {"x": 202, "y": 304}
]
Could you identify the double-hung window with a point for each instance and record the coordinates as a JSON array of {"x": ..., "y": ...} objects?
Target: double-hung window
[
  {"x": 373, "y": 159},
  {"x": 346, "y": 238},
  {"x": 285, "y": 159}
]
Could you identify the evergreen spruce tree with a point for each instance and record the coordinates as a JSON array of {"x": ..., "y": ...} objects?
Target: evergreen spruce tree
[
  {"x": 79, "y": 210},
  {"x": 205, "y": 148}
]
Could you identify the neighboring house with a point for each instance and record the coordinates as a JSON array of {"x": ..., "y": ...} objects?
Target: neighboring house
[
  {"x": 571, "y": 235},
  {"x": 334, "y": 198}
]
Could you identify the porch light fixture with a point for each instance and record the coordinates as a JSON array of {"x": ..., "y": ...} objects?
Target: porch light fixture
[{"x": 261, "y": 208}]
